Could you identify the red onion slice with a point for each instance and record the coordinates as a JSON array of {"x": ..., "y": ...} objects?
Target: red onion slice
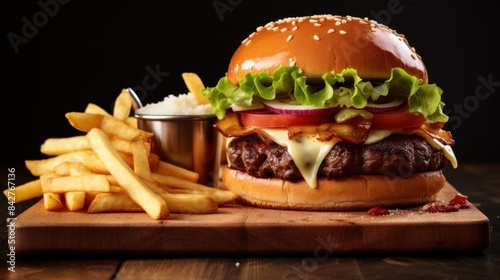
[
  {"x": 279, "y": 107},
  {"x": 394, "y": 105},
  {"x": 255, "y": 107}
]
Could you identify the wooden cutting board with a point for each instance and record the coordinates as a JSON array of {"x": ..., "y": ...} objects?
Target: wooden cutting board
[{"x": 238, "y": 229}]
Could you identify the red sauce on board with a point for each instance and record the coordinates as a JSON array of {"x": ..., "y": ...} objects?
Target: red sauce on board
[
  {"x": 378, "y": 211},
  {"x": 460, "y": 200},
  {"x": 455, "y": 204}
]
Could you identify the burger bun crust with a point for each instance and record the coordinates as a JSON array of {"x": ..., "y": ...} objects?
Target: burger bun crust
[
  {"x": 324, "y": 43},
  {"x": 349, "y": 193}
]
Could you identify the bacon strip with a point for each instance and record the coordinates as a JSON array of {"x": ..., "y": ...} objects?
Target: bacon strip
[
  {"x": 353, "y": 131},
  {"x": 432, "y": 129}
]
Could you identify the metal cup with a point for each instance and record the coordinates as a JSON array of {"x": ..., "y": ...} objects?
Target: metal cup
[{"x": 191, "y": 142}]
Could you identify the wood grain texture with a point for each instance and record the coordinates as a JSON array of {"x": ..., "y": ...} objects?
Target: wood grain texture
[
  {"x": 50, "y": 267},
  {"x": 238, "y": 229},
  {"x": 241, "y": 268}
]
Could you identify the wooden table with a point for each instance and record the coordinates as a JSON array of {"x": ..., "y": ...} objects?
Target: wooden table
[{"x": 480, "y": 182}]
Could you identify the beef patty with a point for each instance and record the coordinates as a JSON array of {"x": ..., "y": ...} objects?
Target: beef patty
[{"x": 397, "y": 155}]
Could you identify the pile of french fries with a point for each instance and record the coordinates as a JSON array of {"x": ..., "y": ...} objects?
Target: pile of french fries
[{"x": 111, "y": 168}]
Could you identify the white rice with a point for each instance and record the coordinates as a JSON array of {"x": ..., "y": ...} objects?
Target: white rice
[{"x": 183, "y": 104}]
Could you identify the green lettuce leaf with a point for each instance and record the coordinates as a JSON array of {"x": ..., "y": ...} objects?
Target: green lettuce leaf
[{"x": 345, "y": 89}]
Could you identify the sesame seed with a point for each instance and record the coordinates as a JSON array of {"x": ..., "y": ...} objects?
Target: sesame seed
[
  {"x": 289, "y": 38},
  {"x": 342, "y": 32},
  {"x": 317, "y": 24},
  {"x": 316, "y": 37},
  {"x": 251, "y": 35},
  {"x": 284, "y": 29},
  {"x": 294, "y": 28},
  {"x": 260, "y": 28},
  {"x": 275, "y": 28},
  {"x": 338, "y": 23},
  {"x": 313, "y": 20},
  {"x": 247, "y": 42},
  {"x": 330, "y": 31},
  {"x": 344, "y": 21}
]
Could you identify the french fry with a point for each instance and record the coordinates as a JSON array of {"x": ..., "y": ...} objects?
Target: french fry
[
  {"x": 123, "y": 104},
  {"x": 124, "y": 146},
  {"x": 190, "y": 203},
  {"x": 74, "y": 200},
  {"x": 45, "y": 177},
  {"x": 141, "y": 160},
  {"x": 113, "y": 202},
  {"x": 89, "y": 197},
  {"x": 52, "y": 201},
  {"x": 84, "y": 183},
  {"x": 88, "y": 158},
  {"x": 133, "y": 122},
  {"x": 95, "y": 109},
  {"x": 109, "y": 125},
  {"x": 166, "y": 168},
  {"x": 25, "y": 191},
  {"x": 119, "y": 129},
  {"x": 195, "y": 86},
  {"x": 178, "y": 203},
  {"x": 84, "y": 121},
  {"x": 179, "y": 185},
  {"x": 72, "y": 169},
  {"x": 129, "y": 159},
  {"x": 59, "y": 146},
  {"x": 153, "y": 204}
]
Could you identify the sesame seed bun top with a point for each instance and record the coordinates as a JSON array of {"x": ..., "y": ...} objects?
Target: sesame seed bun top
[{"x": 323, "y": 43}]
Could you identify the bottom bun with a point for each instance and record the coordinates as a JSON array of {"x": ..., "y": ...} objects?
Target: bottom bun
[{"x": 349, "y": 193}]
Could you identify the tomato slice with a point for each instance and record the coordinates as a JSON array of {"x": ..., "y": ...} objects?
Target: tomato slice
[
  {"x": 397, "y": 119},
  {"x": 269, "y": 119},
  {"x": 387, "y": 120}
]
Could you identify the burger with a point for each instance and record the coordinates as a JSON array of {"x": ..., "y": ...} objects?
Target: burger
[{"x": 329, "y": 112}]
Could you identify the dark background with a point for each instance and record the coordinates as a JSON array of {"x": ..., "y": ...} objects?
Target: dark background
[{"x": 57, "y": 56}]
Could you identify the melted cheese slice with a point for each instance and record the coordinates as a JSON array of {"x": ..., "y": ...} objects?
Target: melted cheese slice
[{"x": 308, "y": 152}]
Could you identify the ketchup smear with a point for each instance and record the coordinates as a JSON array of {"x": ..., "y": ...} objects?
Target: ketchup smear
[
  {"x": 378, "y": 211},
  {"x": 454, "y": 205}
]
